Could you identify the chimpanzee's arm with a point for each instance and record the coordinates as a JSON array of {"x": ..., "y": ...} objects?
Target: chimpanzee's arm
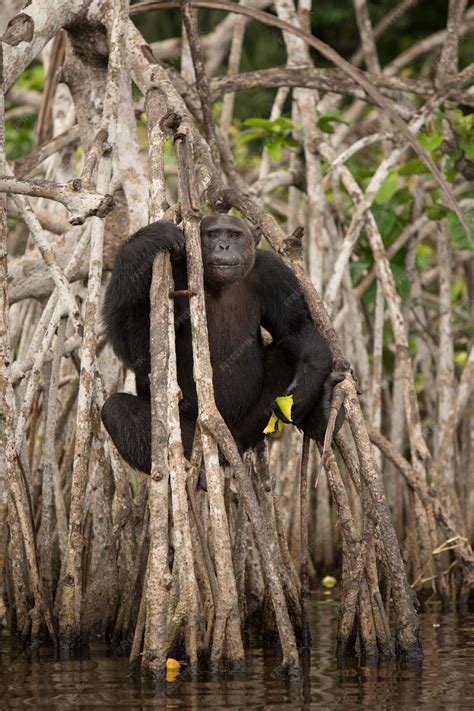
[
  {"x": 132, "y": 272},
  {"x": 286, "y": 317},
  {"x": 126, "y": 309}
]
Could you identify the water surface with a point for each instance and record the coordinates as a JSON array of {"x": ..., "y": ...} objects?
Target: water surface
[{"x": 445, "y": 679}]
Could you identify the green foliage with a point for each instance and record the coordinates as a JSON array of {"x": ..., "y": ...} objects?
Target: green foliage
[
  {"x": 468, "y": 149},
  {"x": 387, "y": 222},
  {"x": 325, "y": 121},
  {"x": 32, "y": 78},
  {"x": 430, "y": 141},
  {"x": 460, "y": 359},
  {"x": 464, "y": 125},
  {"x": 19, "y": 137},
  {"x": 274, "y": 135},
  {"x": 424, "y": 255},
  {"x": 19, "y": 132},
  {"x": 458, "y": 235},
  {"x": 459, "y": 291},
  {"x": 459, "y": 148},
  {"x": 358, "y": 269},
  {"x": 413, "y": 167},
  {"x": 437, "y": 212},
  {"x": 388, "y": 188},
  {"x": 402, "y": 280}
]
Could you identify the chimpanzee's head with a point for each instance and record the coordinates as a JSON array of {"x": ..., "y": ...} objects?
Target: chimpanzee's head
[{"x": 228, "y": 249}]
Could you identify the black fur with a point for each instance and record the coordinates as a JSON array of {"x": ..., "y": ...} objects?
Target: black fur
[{"x": 245, "y": 288}]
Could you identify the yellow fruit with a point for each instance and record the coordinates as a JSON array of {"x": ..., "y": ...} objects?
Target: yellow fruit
[
  {"x": 285, "y": 403},
  {"x": 272, "y": 422}
]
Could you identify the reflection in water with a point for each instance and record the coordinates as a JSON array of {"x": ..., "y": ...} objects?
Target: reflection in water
[{"x": 445, "y": 680}]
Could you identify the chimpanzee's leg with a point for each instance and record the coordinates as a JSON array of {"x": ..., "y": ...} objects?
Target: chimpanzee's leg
[{"x": 127, "y": 419}]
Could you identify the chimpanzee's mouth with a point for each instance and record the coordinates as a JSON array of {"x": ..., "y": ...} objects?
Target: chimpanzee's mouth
[{"x": 224, "y": 265}]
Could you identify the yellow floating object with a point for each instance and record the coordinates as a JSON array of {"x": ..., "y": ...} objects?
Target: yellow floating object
[
  {"x": 172, "y": 669},
  {"x": 328, "y": 581}
]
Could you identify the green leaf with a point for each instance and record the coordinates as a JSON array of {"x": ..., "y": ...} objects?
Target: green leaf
[
  {"x": 266, "y": 124},
  {"x": 284, "y": 124},
  {"x": 388, "y": 188},
  {"x": 468, "y": 149},
  {"x": 419, "y": 383},
  {"x": 360, "y": 171},
  {"x": 430, "y": 141},
  {"x": 413, "y": 167},
  {"x": 458, "y": 235},
  {"x": 403, "y": 196},
  {"x": 402, "y": 280},
  {"x": 450, "y": 172},
  {"x": 424, "y": 255},
  {"x": 461, "y": 358},
  {"x": 358, "y": 270},
  {"x": 289, "y": 143},
  {"x": 274, "y": 149},
  {"x": 32, "y": 78},
  {"x": 464, "y": 123},
  {"x": 386, "y": 220},
  {"x": 325, "y": 125},
  {"x": 280, "y": 126},
  {"x": 325, "y": 120},
  {"x": 437, "y": 212},
  {"x": 459, "y": 290},
  {"x": 250, "y": 136}
]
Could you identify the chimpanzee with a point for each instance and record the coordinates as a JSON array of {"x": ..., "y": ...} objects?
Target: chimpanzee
[{"x": 245, "y": 288}]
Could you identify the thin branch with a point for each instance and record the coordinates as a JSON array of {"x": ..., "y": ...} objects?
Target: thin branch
[
  {"x": 80, "y": 205},
  {"x": 202, "y": 82},
  {"x": 333, "y": 80}
]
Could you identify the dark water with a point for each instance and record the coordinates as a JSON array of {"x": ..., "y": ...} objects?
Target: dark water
[{"x": 445, "y": 680}]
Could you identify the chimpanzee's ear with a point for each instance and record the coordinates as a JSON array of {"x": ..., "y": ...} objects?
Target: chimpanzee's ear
[{"x": 256, "y": 232}]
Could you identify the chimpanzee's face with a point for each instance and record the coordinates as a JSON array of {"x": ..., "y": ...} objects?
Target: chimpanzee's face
[{"x": 228, "y": 250}]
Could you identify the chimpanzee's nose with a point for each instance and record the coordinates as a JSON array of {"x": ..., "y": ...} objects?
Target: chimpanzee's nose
[{"x": 223, "y": 245}]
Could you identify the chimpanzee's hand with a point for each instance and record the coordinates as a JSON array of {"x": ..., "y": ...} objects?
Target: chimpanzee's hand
[
  {"x": 332, "y": 380},
  {"x": 173, "y": 240},
  {"x": 303, "y": 402},
  {"x": 162, "y": 237}
]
